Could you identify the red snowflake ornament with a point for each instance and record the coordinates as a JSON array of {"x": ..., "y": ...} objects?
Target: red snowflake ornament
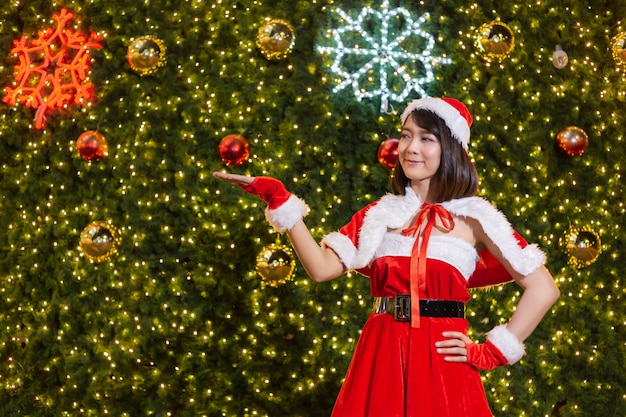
[{"x": 52, "y": 69}]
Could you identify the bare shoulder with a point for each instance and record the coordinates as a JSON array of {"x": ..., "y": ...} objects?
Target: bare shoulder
[{"x": 470, "y": 230}]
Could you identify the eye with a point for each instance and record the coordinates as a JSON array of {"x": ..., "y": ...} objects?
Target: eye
[{"x": 405, "y": 136}]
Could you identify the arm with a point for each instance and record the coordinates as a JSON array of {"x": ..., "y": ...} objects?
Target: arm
[
  {"x": 321, "y": 264},
  {"x": 504, "y": 343},
  {"x": 539, "y": 293}
]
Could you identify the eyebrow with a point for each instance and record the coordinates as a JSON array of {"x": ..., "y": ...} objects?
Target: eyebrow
[{"x": 419, "y": 129}]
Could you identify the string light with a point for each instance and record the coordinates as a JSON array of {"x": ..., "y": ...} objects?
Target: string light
[
  {"x": 53, "y": 69},
  {"x": 384, "y": 61},
  {"x": 180, "y": 323}
]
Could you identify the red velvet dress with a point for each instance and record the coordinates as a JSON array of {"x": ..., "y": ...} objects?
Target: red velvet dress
[{"x": 395, "y": 370}]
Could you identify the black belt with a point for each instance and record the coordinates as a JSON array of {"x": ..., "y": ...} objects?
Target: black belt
[{"x": 400, "y": 307}]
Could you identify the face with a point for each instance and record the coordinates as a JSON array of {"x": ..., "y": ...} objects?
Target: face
[{"x": 419, "y": 154}]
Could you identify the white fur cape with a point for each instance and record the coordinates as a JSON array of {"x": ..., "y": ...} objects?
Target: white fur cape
[{"x": 394, "y": 211}]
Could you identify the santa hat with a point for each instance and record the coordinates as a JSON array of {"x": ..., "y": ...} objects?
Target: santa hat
[{"x": 452, "y": 111}]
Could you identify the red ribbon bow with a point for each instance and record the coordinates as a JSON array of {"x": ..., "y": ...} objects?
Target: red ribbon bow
[{"x": 428, "y": 213}]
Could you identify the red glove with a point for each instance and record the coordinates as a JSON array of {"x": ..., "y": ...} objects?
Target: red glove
[
  {"x": 485, "y": 356},
  {"x": 502, "y": 347},
  {"x": 269, "y": 189},
  {"x": 284, "y": 209}
]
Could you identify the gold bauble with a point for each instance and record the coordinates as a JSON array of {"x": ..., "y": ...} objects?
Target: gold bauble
[
  {"x": 146, "y": 55},
  {"x": 582, "y": 245},
  {"x": 99, "y": 241},
  {"x": 572, "y": 141},
  {"x": 275, "y": 264},
  {"x": 276, "y": 39},
  {"x": 495, "y": 40},
  {"x": 618, "y": 49}
]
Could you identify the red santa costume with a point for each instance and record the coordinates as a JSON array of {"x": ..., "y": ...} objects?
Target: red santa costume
[{"x": 396, "y": 370}]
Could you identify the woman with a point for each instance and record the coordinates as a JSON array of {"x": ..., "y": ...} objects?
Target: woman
[{"x": 422, "y": 248}]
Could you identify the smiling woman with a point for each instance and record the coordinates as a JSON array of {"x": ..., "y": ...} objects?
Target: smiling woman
[
  {"x": 420, "y": 247},
  {"x": 449, "y": 121},
  {"x": 419, "y": 153}
]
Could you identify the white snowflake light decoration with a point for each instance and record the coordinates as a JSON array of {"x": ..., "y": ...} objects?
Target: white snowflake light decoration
[{"x": 383, "y": 53}]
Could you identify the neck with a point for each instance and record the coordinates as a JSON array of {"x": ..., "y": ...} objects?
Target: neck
[{"x": 421, "y": 189}]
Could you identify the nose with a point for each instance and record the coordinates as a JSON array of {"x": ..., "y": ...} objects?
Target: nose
[{"x": 413, "y": 146}]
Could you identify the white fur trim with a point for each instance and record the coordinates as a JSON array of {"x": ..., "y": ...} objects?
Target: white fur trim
[
  {"x": 499, "y": 230},
  {"x": 394, "y": 211},
  {"x": 454, "y": 120},
  {"x": 453, "y": 251},
  {"x": 391, "y": 212},
  {"x": 395, "y": 244},
  {"x": 507, "y": 343},
  {"x": 342, "y": 246},
  {"x": 286, "y": 216}
]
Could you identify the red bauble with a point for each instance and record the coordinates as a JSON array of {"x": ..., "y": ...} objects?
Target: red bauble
[
  {"x": 234, "y": 149},
  {"x": 572, "y": 141},
  {"x": 388, "y": 153},
  {"x": 92, "y": 146}
]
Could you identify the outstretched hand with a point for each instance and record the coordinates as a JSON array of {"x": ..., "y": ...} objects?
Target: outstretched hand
[
  {"x": 269, "y": 189},
  {"x": 234, "y": 178}
]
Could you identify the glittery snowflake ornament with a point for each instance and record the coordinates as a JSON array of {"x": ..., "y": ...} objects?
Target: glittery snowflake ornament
[
  {"x": 52, "y": 70},
  {"x": 384, "y": 53}
]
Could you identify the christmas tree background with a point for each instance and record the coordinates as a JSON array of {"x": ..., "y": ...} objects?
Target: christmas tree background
[{"x": 178, "y": 322}]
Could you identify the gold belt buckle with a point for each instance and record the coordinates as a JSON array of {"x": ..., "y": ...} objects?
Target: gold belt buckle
[{"x": 402, "y": 307}]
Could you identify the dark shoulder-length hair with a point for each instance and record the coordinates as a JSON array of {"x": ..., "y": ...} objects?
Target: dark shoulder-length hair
[{"x": 456, "y": 176}]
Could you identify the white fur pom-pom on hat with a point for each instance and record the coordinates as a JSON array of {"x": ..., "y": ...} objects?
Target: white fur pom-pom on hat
[{"x": 454, "y": 113}]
